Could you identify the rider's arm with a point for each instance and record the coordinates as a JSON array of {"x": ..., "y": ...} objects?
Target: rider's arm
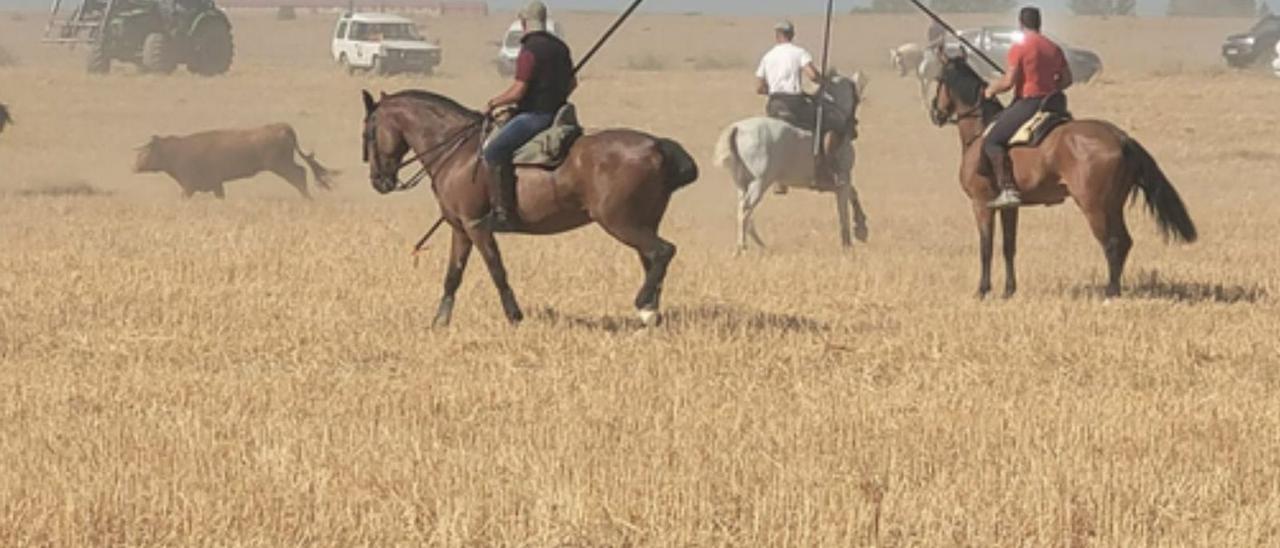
[
  {"x": 514, "y": 93},
  {"x": 1065, "y": 78},
  {"x": 812, "y": 73},
  {"x": 1011, "y": 75},
  {"x": 511, "y": 96},
  {"x": 762, "y": 86}
]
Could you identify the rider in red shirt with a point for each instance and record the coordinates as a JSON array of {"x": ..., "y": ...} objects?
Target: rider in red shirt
[{"x": 1038, "y": 73}]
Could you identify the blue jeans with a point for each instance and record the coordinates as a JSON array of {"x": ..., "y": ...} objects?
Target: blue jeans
[{"x": 515, "y": 134}]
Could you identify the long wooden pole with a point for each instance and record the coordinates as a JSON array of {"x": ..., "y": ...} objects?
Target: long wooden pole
[
  {"x": 607, "y": 34},
  {"x": 937, "y": 19},
  {"x": 822, "y": 80}
]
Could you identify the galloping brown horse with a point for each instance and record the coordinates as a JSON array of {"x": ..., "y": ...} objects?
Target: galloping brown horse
[
  {"x": 620, "y": 179},
  {"x": 1093, "y": 162}
]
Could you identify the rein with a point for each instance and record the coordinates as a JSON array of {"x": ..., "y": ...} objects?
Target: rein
[{"x": 453, "y": 141}]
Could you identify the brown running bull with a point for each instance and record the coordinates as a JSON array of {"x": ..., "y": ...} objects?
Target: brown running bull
[{"x": 203, "y": 162}]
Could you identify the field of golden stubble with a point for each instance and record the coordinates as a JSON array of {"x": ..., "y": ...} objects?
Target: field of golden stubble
[{"x": 260, "y": 371}]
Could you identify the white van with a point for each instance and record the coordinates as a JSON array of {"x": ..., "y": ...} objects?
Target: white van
[
  {"x": 382, "y": 44},
  {"x": 509, "y": 47}
]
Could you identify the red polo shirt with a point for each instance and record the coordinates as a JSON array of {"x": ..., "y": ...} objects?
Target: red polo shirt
[{"x": 1041, "y": 61}]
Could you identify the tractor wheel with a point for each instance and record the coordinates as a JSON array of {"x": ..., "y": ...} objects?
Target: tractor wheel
[
  {"x": 212, "y": 49},
  {"x": 98, "y": 61},
  {"x": 157, "y": 54}
]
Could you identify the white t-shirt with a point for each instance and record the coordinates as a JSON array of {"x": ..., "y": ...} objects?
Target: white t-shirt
[{"x": 783, "y": 68}]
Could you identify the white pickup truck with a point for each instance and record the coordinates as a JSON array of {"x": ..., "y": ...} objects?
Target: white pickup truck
[
  {"x": 509, "y": 47},
  {"x": 382, "y": 44}
]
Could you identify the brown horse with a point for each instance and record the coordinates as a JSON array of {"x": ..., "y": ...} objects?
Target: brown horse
[
  {"x": 620, "y": 179},
  {"x": 1093, "y": 162}
]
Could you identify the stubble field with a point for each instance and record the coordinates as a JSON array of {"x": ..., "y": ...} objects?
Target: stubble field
[{"x": 261, "y": 371}]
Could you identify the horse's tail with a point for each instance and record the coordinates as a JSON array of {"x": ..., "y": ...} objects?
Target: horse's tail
[
  {"x": 678, "y": 166},
  {"x": 726, "y": 148},
  {"x": 323, "y": 175},
  {"x": 1162, "y": 200}
]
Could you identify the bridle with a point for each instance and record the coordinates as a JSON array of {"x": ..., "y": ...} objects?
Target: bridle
[
  {"x": 955, "y": 117},
  {"x": 454, "y": 141}
]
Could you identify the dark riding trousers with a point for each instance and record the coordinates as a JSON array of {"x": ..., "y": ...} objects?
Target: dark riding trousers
[
  {"x": 795, "y": 109},
  {"x": 1011, "y": 120}
]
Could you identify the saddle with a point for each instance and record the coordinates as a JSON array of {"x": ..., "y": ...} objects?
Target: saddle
[
  {"x": 1034, "y": 131},
  {"x": 547, "y": 150}
]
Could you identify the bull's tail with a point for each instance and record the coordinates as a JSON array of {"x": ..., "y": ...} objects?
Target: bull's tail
[
  {"x": 1162, "y": 200},
  {"x": 678, "y": 166},
  {"x": 726, "y": 147},
  {"x": 323, "y": 175}
]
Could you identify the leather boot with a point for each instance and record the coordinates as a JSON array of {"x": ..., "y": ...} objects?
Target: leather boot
[
  {"x": 502, "y": 198},
  {"x": 1008, "y": 197}
]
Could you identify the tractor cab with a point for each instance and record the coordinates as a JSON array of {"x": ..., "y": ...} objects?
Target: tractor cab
[{"x": 156, "y": 35}]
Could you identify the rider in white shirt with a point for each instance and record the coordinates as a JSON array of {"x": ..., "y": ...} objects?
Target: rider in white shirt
[{"x": 780, "y": 78}]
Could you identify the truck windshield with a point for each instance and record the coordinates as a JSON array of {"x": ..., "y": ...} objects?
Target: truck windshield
[{"x": 385, "y": 31}]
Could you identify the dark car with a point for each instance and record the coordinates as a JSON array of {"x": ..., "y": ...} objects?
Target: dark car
[
  {"x": 1253, "y": 47},
  {"x": 996, "y": 42}
]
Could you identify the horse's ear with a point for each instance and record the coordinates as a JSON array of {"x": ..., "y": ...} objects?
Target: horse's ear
[
  {"x": 860, "y": 82},
  {"x": 369, "y": 103},
  {"x": 382, "y": 95}
]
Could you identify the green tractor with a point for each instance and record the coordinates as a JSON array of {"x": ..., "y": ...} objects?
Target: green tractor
[{"x": 156, "y": 35}]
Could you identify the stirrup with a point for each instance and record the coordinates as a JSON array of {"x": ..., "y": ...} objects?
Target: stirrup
[{"x": 505, "y": 223}]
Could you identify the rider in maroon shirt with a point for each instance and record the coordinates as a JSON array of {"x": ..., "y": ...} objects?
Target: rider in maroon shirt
[{"x": 1038, "y": 73}]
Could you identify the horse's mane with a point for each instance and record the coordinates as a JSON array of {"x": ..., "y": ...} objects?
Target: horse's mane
[
  {"x": 967, "y": 85},
  {"x": 964, "y": 82},
  {"x": 436, "y": 100}
]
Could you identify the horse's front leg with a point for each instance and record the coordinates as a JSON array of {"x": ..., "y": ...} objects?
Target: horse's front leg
[
  {"x": 842, "y": 211},
  {"x": 459, "y": 252},
  {"x": 1009, "y": 230},
  {"x": 860, "y": 230},
  {"x": 484, "y": 239},
  {"x": 985, "y": 218}
]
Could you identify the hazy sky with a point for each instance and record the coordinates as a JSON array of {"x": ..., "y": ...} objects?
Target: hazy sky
[
  {"x": 778, "y": 7},
  {"x": 771, "y": 6}
]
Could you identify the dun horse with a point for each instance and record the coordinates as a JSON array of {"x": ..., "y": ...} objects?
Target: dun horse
[
  {"x": 1093, "y": 162},
  {"x": 619, "y": 179}
]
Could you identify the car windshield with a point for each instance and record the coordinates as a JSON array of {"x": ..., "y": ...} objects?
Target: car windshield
[
  {"x": 377, "y": 32},
  {"x": 513, "y": 39},
  {"x": 1267, "y": 24}
]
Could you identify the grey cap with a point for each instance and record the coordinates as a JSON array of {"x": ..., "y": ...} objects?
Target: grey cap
[
  {"x": 785, "y": 26},
  {"x": 534, "y": 16}
]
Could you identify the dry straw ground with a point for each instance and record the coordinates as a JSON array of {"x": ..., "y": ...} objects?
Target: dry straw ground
[{"x": 260, "y": 371}]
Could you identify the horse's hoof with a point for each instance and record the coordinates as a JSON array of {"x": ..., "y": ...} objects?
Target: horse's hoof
[
  {"x": 1008, "y": 294},
  {"x": 650, "y": 318},
  {"x": 860, "y": 234},
  {"x": 440, "y": 322}
]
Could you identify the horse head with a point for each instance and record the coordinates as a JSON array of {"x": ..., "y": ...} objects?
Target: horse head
[
  {"x": 845, "y": 94},
  {"x": 959, "y": 93},
  {"x": 383, "y": 145}
]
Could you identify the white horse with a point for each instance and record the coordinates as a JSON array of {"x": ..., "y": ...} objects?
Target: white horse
[
  {"x": 760, "y": 152},
  {"x": 921, "y": 63}
]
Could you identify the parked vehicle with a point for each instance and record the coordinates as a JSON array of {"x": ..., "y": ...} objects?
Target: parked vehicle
[
  {"x": 382, "y": 44},
  {"x": 996, "y": 42},
  {"x": 157, "y": 35},
  {"x": 1275, "y": 65},
  {"x": 1254, "y": 47},
  {"x": 509, "y": 47}
]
